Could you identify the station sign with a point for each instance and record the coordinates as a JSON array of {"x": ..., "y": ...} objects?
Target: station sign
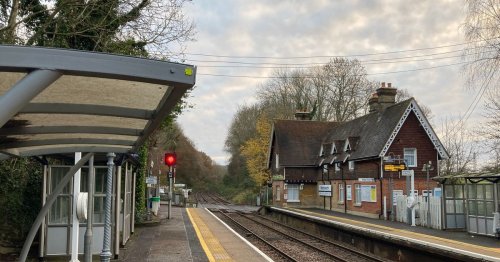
[
  {"x": 394, "y": 167},
  {"x": 151, "y": 180},
  {"x": 325, "y": 190}
]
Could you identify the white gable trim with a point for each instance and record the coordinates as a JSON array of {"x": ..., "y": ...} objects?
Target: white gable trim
[{"x": 413, "y": 107}]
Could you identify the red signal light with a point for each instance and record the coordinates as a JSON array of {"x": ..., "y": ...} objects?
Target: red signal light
[{"x": 170, "y": 159}]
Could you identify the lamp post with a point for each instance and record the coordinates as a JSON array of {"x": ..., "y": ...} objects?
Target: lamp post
[{"x": 428, "y": 167}]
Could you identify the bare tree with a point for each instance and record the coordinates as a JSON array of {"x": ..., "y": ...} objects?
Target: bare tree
[
  {"x": 482, "y": 30},
  {"x": 337, "y": 91},
  {"x": 404, "y": 94},
  {"x": 456, "y": 139}
]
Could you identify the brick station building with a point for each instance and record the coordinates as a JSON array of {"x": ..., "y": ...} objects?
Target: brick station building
[{"x": 340, "y": 165}]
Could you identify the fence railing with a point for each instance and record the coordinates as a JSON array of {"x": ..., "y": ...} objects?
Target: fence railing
[{"x": 421, "y": 213}]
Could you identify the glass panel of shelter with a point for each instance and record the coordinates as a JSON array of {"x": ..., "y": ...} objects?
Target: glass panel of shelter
[
  {"x": 60, "y": 212},
  {"x": 454, "y": 206},
  {"x": 480, "y": 208}
]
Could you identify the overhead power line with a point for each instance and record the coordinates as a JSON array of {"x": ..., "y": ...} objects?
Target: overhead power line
[
  {"x": 309, "y": 76},
  {"x": 332, "y": 56}
]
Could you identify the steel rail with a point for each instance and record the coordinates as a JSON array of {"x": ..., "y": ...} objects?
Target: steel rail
[
  {"x": 360, "y": 253},
  {"x": 296, "y": 239},
  {"x": 260, "y": 238}
]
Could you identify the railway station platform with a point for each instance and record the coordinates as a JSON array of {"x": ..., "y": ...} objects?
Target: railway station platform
[
  {"x": 481, "y": 248},
  {"x": 191, "y": 234}
]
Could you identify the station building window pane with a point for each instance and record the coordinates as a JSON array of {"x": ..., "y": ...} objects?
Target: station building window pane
[
  {"x": 293, "y": 192},
  {"x": 472, "y": 191}
]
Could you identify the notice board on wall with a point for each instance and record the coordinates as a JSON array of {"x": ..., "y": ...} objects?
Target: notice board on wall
[{"x": 369, "y": 193}]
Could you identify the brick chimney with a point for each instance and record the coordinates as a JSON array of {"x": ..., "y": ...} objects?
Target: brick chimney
[
  {"x": 373, "y": 103},
  {"x": 303, "y": 115},
  {"x": 386, "y": 96}
]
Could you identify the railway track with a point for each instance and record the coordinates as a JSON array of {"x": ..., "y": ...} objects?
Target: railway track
[
  {"x": 280, "y": 241},
  {"x": 292, "y": 244}
]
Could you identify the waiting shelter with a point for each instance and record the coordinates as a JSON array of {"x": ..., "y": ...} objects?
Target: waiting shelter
[
  {"x": 471, "y": 202},
  {"x": 55, "y": 102}
]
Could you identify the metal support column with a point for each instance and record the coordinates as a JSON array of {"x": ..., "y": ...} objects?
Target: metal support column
[
  {"x": 24, "y": 91},
  {"x": 45, "y": 209},
  {"x": 90, "y": 212},
  {"x": 118, "y": 208},
  {"x": 75, "y": 229},
  {"x": 106, "y": 245}
]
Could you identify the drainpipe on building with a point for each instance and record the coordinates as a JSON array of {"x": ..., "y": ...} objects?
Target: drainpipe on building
[
  {"x": 343, "y": 182},
  {"x": 381, "y": 191}
]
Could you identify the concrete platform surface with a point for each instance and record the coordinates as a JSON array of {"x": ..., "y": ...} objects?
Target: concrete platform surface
[
  {"x": 192, "y": 234},
  {"x": 481, "y": 247}
]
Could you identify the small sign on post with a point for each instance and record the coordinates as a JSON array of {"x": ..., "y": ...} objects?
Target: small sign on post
[
  {"x": 407, "y": 172},
  {"x": 151, "y": 180}
]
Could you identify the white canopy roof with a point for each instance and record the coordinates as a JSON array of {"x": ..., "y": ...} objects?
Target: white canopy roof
[{"x": 61, "y": 101}]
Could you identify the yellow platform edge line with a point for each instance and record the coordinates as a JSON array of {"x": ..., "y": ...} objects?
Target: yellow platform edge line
[
  {"x": 403, "y": 232},
  {"x": 200, "y": 237}
]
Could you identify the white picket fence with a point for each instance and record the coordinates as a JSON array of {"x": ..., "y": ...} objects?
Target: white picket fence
[{"x": 420, "y": 211}]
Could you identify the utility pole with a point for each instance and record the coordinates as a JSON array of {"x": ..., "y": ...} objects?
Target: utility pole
[{"x": 428, "y": 167}]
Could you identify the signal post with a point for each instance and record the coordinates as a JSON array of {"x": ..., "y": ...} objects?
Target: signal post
[{"x": 170, "y": 161}]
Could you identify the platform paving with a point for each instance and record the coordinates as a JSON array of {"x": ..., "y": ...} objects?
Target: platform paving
[{"x": 169, "y": 240}]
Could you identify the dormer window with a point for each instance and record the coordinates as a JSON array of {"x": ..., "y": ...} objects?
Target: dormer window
[
  {"x": 347, "y": 146},
  {"x": 321, "y": 151},
  {"x": 334, "y": 149}
]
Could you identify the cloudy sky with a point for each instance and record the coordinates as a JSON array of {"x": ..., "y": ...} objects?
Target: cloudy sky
[{"x": 416, "y": 45}]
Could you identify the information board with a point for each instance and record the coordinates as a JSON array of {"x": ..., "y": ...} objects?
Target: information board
[
  {"x": 369, "y": 193},
  {"x": 396, "y": 193}
]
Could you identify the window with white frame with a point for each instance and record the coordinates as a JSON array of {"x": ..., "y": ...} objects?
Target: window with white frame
[
  {"x": 341, "y": 193},
  {"x": 334, "y": 149},
  {"x": 357, "y": 194},
  {"x": 337, "y": 167},
  {"x": 293, "y": 192},
  {"x": 351, "y": 165},
  {"x": 347, "y": 146},
  {"x": 278, "y": 193},
  {"x": 410, "y": 157}
]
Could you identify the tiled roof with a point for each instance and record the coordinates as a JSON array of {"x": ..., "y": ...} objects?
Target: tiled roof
[
  {"x": 367, "y": 134},
  {"x": 299, "y": 141}
]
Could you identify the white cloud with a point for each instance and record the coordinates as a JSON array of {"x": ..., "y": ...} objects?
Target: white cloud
[{"x": 312, "y": 28}]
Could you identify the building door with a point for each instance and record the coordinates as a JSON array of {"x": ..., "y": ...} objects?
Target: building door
[
  {"x": 480, "y": 206},
  {"x": 454, "y": 206}
]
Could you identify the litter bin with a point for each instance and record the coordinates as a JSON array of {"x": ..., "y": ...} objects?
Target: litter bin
[{"x": 155, "y": 201}]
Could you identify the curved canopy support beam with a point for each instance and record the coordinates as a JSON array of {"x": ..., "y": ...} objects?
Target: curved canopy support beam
[{"x": 23, "y": 91}]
